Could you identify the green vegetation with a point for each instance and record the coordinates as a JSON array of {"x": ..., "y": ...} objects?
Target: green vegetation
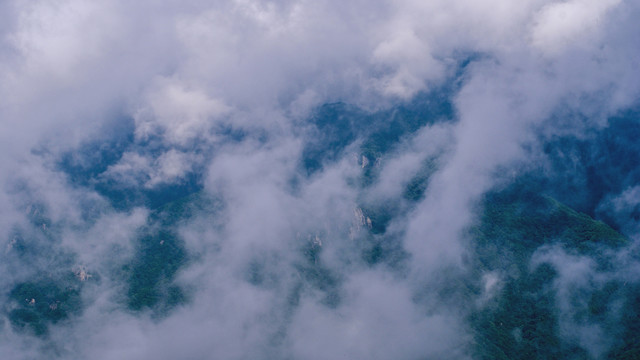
[
  {"x": 377, "y": 245},
  {"x": 415, "y": 189},
  {"x": 391, "y": 126},
  {"x": 315, "y": 275},
  {"x": 628, "y": 348},
  {"x": 160, "y": 254},
  {"x": 522, "y": 323},
  {"x": 515, "y": 222},
  {"x": 37, "y": 304},
  {"x": 335, "y": 127},
  {"x": 338, "y": 125},
  {"x": 49, "y": 291}
]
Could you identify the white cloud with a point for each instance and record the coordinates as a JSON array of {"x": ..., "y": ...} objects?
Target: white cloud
[
  {"x": 183, "y": 69},
  {"x": 568, "y": 24},
  {"x": 179, "y": 114},
  {"x": 576, "y": 280},
  {"x": 140, "y": 170},
  {"x": 378, "y": 320}
]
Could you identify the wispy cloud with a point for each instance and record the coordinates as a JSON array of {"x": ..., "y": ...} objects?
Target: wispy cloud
[{"x": 220, "y": 96}]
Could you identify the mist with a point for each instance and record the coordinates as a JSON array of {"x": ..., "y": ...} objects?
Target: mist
[{"x": 315, "y": 180}]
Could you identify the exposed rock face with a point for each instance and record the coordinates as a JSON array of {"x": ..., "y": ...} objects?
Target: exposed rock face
[
  {"x": 11, "y": 244},
  {"x": 317, "y": 241},
  {"x": 360, "y": 220},
  {"x": 365, "y": 161},
  {"x": 81, "y": 273}
]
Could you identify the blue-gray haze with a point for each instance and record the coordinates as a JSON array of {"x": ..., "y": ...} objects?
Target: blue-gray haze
[{"x": 244, "y": 179}]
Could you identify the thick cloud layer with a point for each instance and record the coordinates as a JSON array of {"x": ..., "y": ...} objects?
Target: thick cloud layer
[{"x": 106, "y": 105}]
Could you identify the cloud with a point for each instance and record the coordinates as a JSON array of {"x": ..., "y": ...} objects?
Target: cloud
[
  {"x": 578, "y": 290},
  {"x": 136, "y": 170},
  {"x": 568, "y": 24},
  {"x": 379, "y": 320},
  {"x": 180, "y": 115},
  {"x": 226, "y": 90}
]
